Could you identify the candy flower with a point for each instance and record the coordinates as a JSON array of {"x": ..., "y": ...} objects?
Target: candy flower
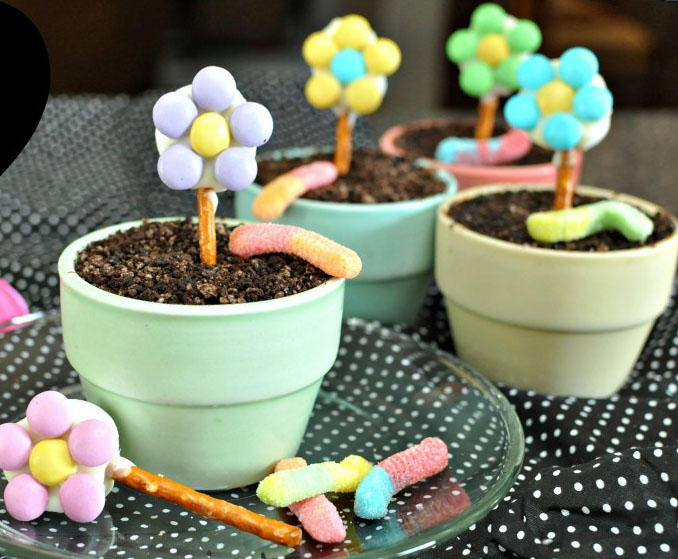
[
  {"x": 563, "y": 104},
  {"x": 55, "y": 459},
  {"x": 488, "y": 54},
  {"x": 349, "y": 65},
  {"x": 207, "y": 135}
]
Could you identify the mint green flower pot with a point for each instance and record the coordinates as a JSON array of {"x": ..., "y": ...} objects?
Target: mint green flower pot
[
  {"x": 394, "y": 241},
  {"x": 210, "y": 396}
]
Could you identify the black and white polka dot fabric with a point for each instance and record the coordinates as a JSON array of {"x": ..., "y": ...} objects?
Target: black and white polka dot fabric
[{"x": 600, "y": 477}]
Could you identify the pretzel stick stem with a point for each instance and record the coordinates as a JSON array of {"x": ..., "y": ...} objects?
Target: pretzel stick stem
[
  {"x": 216, "y": 509},
  {"x": 564, "y": 182},
  {"x": 344, "y": 145},
  {"x": 487, "y": 111},
  {"x": 207, "y": 234}
]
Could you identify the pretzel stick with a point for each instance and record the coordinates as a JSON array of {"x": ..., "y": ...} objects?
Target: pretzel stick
[
  {"x": 216, "y": 509},
  {"x": 207, "y": 234},
  {"x": 564, "y": 182},
  {"x": 487, "y": 109},
  {"x": 343, "y": 147}
]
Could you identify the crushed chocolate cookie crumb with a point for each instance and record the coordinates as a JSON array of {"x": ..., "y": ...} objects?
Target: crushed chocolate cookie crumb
[
  {"x": 160, "y": 262},
  {"x": 373, "y": 178}
]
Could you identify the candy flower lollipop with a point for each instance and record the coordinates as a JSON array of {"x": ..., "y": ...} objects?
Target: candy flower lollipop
[
  {"x": 349, "y": 65},
  {"x": 63, "y": 457},
  {"x": 564, "y": 105},
  {"x": 207, "y": 135},
  {"x": 488, "y": 54}
]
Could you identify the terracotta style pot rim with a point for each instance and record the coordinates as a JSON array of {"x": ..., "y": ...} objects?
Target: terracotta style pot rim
[
  {"x": 499, "y": 244},
  {"x": 69, "y": 277},
  {"x": 442, "y": 175},
  {"x": 388, "y": 145}
]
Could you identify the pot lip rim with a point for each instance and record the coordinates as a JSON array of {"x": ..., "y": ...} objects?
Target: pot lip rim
[
  {"x": 443, "y": 175},
  {"x": 391, "y": 133},
  {"x": 499, "y": 244},
  {"x": 68, "y": 277}
]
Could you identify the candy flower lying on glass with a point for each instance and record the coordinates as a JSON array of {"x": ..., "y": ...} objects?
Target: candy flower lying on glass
[
  {"x": 349, "y": 65},
  {"x": 564, "y": 105},
  {"x": 488, "y": 54},
  {"x": 207, "y": 135},
  {"x": 55, "y": 459}
]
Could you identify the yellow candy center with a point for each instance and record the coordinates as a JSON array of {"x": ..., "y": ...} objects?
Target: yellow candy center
[
  {"x": 555, "y": 97},
  {"x": 210, "y": 135},
  {"x": 493, "y": 49},
  {"x": 51, "y": 462}
]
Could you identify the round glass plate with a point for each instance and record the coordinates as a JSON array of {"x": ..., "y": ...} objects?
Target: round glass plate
[{"x": 385, "y": 392}]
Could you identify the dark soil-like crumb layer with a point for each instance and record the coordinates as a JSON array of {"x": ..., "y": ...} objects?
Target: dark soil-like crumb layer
[
  {"x": 422, "y": 142},
  {"x": 503, "y": 216},
  {"x": 160, "y": 262},
  {"x": 373, "y": 178}
]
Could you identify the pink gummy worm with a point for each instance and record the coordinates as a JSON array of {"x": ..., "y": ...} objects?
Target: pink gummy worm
[
  {"x": 316, "y": 174},
  {"x": 317, "y": 515},
  {"x": 416, "y": 463},
  {"x": 512, "y": 146},
  {"x": 251, "y": 239},
  {"x": 260, "y": 238}
]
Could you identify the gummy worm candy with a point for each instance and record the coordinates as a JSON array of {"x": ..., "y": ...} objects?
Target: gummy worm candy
[
  {"x": 317, "y": 515},
  {"x": 580, "y": 222},
  {"x": 259, "y": 238},
  {"x": 285, "y": 487},
  {"x": 395, "y": 473},
  {"x": 493, "y": 151},
  {"x": 64, "y": 457},
  {"x": 278, "y": 194}
]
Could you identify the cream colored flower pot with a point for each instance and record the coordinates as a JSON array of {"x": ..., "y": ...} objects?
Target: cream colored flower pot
[{"x": 553, "y": 321}]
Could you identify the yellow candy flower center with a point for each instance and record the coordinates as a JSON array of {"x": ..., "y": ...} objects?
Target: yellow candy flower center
[
  {"x": 210, "y": 135},
  {"x": 555, "y": 97},
  {"x": 493, "y": 49},
  {"x": 51, "y": 463}
]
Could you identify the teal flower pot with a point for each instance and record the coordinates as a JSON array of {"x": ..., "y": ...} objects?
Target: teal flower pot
[
  {"x": 394, "y": 241},
  {"x": 211, "y": 396}
]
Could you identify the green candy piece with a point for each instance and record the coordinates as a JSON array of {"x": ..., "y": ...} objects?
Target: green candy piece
[
  {"x": 583, "y": 221},
  {"x": 488, "y": 18},
  {"x": 524, "y": 37},
  {"x": 507, "y": 72},
  {"x": 461, "y": 45},
  {"x": 476, "y": 79}
]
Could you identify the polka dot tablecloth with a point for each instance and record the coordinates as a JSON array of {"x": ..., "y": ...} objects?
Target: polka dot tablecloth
[{"x": 600, "y": 477}]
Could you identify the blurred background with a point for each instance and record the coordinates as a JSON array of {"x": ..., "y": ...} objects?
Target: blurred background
[{"x": 131, "y": 46}]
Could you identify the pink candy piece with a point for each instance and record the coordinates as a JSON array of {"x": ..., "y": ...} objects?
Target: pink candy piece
[
  {"x": 416, "y": 463},
  {"x": 25, "y": 498},
  {"x": 92, "y": 443},
  {"x": 319, "y": 517},
  {"x": 316, "y": 174},
  {"x": 11, "y": 303},
  {"x": 48, "y": 414},
  {"x": 15, "y": 446},
  {"x": 82, "y": 497}
]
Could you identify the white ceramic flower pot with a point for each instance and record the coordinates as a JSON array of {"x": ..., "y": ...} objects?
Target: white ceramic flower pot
[{"x": 560, "y": 322}]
